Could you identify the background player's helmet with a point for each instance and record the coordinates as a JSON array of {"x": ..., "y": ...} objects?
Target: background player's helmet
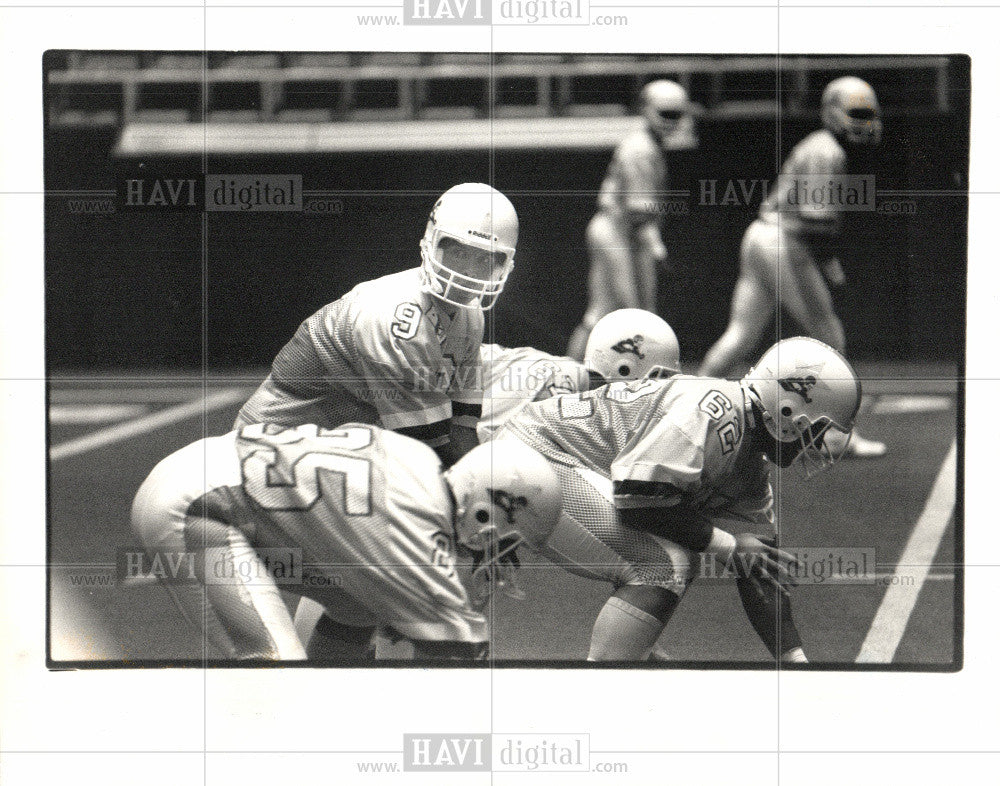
[
  {"x": 665, "y": 107},
  {"x": 476, "y": 215},
  {"x": 851, "y": 112},
  {"x": 803, "y": 388},
  {"x": 631, "y": 343},
  {"x": 505, "y": 494}
]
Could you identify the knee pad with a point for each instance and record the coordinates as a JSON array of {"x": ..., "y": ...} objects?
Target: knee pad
[{"x": 674, "y": 570}]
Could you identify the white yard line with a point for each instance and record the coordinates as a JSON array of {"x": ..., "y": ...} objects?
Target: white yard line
[
  {"x": 79, "y": 414},
  {"x": 119, "y": 391},
  {"x": 893, "y": 614},
  {"x": 910, "y": 405},
  {"x": 133, "y": 428}
]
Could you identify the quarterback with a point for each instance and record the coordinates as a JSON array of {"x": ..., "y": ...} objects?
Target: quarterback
[
  {"x": 654, "y": 471},
  {"x": 789, "y": 249},
  {"x": 402, "y": 351},
  {"x": 623, "y": 237},
  {"x": 358, "y": 518}
]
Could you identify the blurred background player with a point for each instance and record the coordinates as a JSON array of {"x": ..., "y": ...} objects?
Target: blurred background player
[
  {"x": 402, "y": 351},
  {"x": 376, "y": 522},
  {"x": 655, "y": 470},
  {"x": 623, "y": 237},
  {"x": 793, "y": 239},
  {"x": 626, "y": 344}
]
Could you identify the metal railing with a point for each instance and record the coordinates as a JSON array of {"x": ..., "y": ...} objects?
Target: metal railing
[{"x": 121, "y": 88}]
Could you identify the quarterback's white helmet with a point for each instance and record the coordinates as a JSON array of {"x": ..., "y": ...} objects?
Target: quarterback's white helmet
[
  {"x": 631, "y": 343},
  {"x": 505, "y": 494},
  {"x": 803, "y": 388},
  {"x": 850, "y": 111},
  {"x": 477, "y": 217},
  {"x": 665, "y": 105}
]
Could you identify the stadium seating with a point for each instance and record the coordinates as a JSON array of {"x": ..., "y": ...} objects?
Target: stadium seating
[{"x": 119, "y": 88}]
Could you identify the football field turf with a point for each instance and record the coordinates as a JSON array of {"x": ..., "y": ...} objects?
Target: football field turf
[{"x": 107, "y": 433}]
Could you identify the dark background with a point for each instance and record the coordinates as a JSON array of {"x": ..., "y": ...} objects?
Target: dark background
[{"x": 164, "y": 289}]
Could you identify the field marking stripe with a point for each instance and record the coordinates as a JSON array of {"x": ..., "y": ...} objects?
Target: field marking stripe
[
  {"x": 123, "y": 395},
  {"x": 897, "y": 605},
  {"x": 134, "y": 428},
  {"x": 910, "y": 405},
  {"x": 94, "y": 414},
  {"x": 174, "y": 394}
]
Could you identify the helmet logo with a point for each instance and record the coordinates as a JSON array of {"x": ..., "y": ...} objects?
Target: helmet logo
[
  {"x": 630, "y": 346},
  {"x": 507, "y": 502},
  {"x": 799, "y": 385},
  {"x": 483, "y": 235}
]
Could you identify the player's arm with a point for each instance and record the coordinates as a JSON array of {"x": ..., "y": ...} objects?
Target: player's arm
[
  {"x": 642, "y": 188},
  {"x": 401, "y": 362},
  {"x": 461, "y": 439},
  {"x": 745, "y": 553},
  {"x": 653, "y": 481},
  {"x": 812, "y": 167},
  {"x": 466, "y": 394},
  {"x": 833, "y": 272}
]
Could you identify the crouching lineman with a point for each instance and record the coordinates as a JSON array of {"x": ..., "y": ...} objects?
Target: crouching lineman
[
  {"x": 654, "y": 471},
  {"x": 629, "y": 343},
  {"x": 376, "y": 524},
  {"x": 626, "y": 344}
]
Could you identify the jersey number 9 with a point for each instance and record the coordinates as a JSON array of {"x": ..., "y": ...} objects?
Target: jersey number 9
[{"x": 405, "y": 321}]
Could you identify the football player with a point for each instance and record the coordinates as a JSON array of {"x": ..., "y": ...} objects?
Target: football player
[
  {"x": 789, "y": 249},
  {"x": 623, "y": 238},
  {"x": 626, "y": 344},
  {"x": 402, "y": 351},
  {"x": 655, "y": 471},
  {"x": 360, "y": 519}
]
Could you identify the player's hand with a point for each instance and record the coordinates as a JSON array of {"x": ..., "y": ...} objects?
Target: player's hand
[
  {"x": 769, "y": 565},
  {"x": 660, "y": 258},
  {"x": 834, "y": 273}
]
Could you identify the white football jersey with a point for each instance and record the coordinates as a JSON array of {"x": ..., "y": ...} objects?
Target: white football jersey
[
  {"x": 385, "y": 353},
  {"x": 662, "y": 442},
  {"x": 514, "y": 377},
  {"x": 636, "y": 179},
  {"x": 368, "y": 508},
  {"x": 811, "y": 165}
]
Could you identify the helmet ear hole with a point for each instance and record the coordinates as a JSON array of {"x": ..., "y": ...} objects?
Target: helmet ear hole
[
  {"x": 482, "y": 516},
  {"x": 624, "y": 370},
  {"x": 786, "y": 411}
]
